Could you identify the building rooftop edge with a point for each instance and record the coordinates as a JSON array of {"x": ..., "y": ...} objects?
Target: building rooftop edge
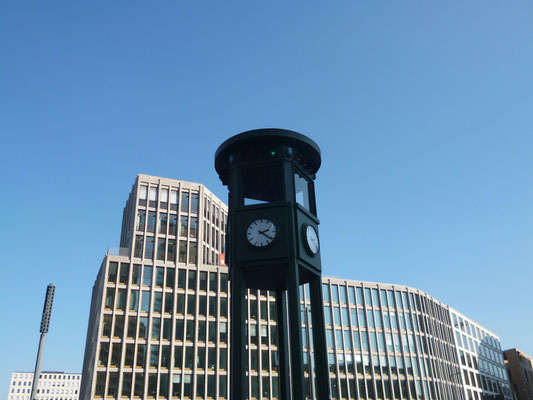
[
  {"x": 47, "y": 372},
  {"x": 153, "y": 178}
]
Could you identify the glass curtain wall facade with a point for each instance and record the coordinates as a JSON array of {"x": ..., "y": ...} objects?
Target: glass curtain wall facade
[
  {"x": 482, "y": 362},
  {"x": 388, "y": 342},
  {"x": 159, "y": 328}
]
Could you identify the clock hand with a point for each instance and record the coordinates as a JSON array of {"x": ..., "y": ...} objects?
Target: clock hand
[{"x": 264, "y": 234}]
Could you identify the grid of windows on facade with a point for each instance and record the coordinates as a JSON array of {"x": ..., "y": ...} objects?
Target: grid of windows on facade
[
  {"x": 52, "y": 386},
  {"x": 385, "y": 343},
  {"x": 167, "y": 226},
  {"x": 166, "y": 330},
  {"x": 482, "y": 362}
]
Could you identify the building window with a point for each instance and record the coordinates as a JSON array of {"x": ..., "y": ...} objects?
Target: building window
[
  {"x": 124, "y": 273},
  {"x": 134, "y": 300},
  {"x": 224, "y": 283},
  {"x": 138, "y": 390},
  {"x": 106, "y": 325},
  {"x": 126, "y": 385},
  {"x": 171, "y": 275},
  {"x": 151, "y": 222},
  {"x": 172, "y": 226},
  {"x": 176, "y": 384},
  {"x": 192, "y": 252},
  {"x": 193, "y": 233},
  {"x": 161, "y": 249},
  {"x": 143, "y": 194},
  {"x": 163, "y": 382},
  {"x": 179, "y": 333},
  {"x": 154, "y": 360},
  {"x": 153, "y": 196},
  {"x": 149, "y": 247},
  {"x": 169, "y": 301},
  {"x": 141, "y": 219},
  {"x": 100, "y": 384},
  {"x": 156, "y": 329},
  {"x": 104, "y": 354},
  {"x": 159, "y": 276},
  {"x": 147, "y": 275},
  {"x": 158, "y": 302},
  {"x": 166, "y": 329},
  {"x": 183, "y": 251},
  {"x": 143, "y": 328},
  {"x": 187, "y": 386},
  {"x": 184, "y": 222},
  {"x": 191, "y": 304},
  {"x": 109, "y": 298},
  {"x": 163, "y": 223},
  {"x": 180, "y": 304},
  {"x": 185, "y": 201},
  {"x": 194, "y": 203},
  {"x": 119, "y": 326},
  {"x": 171, "y": 250},
  {"x": 132, "y": 327},
  {"x": 115, "y": 355},
  {"x": 139, "y": 242},
  {"x": 189, "y": 357},
  {"x": 121, "y": 299},
  {"x": 174, "y": 200},
  {"x": 181, "y": 278},
  {"x": 112, "y": 272},
  {"x": 145, "y": 304},
  {"x": 164, "y": 198}
]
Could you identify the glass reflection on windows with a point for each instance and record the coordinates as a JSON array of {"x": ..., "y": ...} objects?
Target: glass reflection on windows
[
  {"x": 141, "y": 217},
  {"x": 149, "y": 247},
  {"x": 303, "y": 191}
]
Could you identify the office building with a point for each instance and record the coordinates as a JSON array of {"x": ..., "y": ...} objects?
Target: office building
[
  {"x": 53, "y": 385},
  {"x": 520, "y": 368},
  {"x": 158, "y": 326}
]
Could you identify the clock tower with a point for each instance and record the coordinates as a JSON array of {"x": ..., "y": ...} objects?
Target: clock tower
[{"x": 273, "y": 244}]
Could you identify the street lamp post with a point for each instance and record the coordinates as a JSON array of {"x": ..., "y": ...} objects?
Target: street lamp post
[{"x": 45, "y": 324}]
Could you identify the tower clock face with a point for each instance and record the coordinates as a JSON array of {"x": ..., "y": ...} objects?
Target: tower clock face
[
  {"x": 311, "y": 240},
  {"x": 261, "y": 232}
]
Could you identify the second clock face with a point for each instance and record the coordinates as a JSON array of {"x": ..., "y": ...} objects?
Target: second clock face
[
  {"x": 311, "y": 237},
  {"x": 261, "y": 232}
]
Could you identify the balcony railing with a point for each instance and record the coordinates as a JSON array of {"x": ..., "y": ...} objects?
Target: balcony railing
[{"x": 118, "y": 251}]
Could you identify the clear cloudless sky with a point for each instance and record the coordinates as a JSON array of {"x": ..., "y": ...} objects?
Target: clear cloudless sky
[{"x": 423, "y": 112}]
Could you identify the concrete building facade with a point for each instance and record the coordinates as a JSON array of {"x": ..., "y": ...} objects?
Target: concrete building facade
[
  {"x": 159, "y": 325},
  {"x": 520, "y": 368},
  {"x": 53, "y": 385}
]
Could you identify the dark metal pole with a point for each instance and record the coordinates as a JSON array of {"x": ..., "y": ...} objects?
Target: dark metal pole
[
  {"x": 37, "y": 371},
  {"x": 307, "y": 310},
  {"x": 319, "y": 338},
  {"x": 238, "y": 336},
  {"x": 295, "y": 333},
  {"x": 45, "y": 324},
  {"x": 283, "y": 345}
]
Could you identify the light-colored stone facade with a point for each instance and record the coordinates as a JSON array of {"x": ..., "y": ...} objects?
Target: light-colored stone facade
[{"x": 53, "y": 385}]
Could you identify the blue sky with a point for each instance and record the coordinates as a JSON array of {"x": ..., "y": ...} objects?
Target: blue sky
[{"x": 423, "y": 111}]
